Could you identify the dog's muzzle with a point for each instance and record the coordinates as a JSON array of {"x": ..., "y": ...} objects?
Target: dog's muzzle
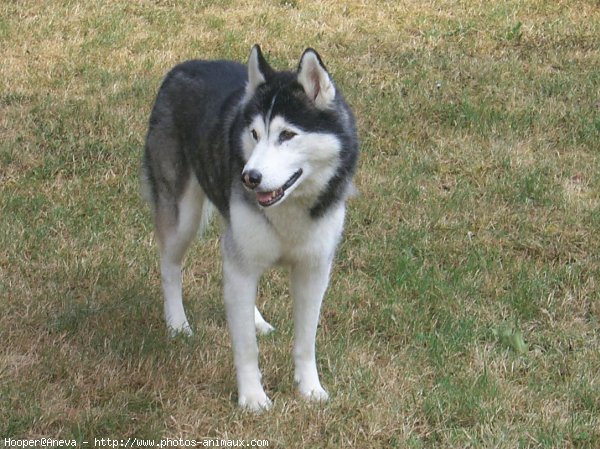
[{"x": 252, "y": 179}]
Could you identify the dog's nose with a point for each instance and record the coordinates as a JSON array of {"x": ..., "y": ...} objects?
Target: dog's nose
[{"x": 251, "y": 178}]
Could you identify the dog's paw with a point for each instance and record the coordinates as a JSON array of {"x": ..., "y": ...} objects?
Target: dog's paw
[
  {"x": 314, "y": 394},
  {"x": 256, "y": 402},
  {"x": 309, "y": 385},
  {"x": 264, "y": 328},
  {"x": 183, "y": 330}
]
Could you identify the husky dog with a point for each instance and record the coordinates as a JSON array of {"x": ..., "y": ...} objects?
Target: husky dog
[{"x": 275, "y": 153}]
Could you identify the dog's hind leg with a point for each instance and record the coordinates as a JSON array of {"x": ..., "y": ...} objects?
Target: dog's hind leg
[
  {"x": 262, "y": 327},
  {"x": 176, "y": 224}
]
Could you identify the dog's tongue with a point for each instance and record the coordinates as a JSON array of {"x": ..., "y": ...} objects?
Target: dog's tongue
[
  {"x": 268, "y": 198},
  {"x": 264, "y": 197}
]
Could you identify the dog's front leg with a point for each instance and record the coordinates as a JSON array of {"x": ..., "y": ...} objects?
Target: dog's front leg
[
  {"x": 309, "y": 282},
  {"x": 240, "y": 295}
]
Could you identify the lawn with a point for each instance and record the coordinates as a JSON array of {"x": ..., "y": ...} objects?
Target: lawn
[{"x": 464, "y": 305}]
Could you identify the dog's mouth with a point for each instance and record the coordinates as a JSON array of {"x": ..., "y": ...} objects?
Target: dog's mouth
[{"x": 266, "y": 199}]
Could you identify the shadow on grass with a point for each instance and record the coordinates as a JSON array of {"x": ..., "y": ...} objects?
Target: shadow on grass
[{"x": 104, "y": 364}]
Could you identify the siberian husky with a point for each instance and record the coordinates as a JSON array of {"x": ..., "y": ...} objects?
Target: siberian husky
[{"x": 275, "y": 153}]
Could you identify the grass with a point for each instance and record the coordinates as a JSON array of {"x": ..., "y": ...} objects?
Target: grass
[{"x": 478, "y": 217}]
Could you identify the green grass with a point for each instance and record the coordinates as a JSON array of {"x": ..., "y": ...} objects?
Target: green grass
[{"x": 477, "y": 220}]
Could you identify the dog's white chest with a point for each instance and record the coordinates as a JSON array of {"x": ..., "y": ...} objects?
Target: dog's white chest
[{"x": 286, "y": 234}]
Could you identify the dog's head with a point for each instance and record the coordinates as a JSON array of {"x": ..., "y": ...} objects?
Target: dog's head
[{"x": 292, "y": 124}]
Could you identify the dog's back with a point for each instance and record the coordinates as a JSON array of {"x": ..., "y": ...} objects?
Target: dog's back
[{"x": 186, "y": 129}]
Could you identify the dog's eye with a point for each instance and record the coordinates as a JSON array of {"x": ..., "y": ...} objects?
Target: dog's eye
[
  {"x": 254, "y": 134},
  {"x": 286, "y": 135}
]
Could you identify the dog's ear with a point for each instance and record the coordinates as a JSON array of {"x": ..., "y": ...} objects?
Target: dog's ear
[
  {"x": 258, "y": 70},
  {"x": 314, "y": 78}
]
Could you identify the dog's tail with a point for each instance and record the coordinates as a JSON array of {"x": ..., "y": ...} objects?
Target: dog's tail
[
  {"x": 146, "y": 188},
  {"x": 208, "y": 210}
]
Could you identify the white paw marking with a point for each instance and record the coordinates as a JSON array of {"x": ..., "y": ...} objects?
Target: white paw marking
[
  {"x": 181, "y": 329},
  {"x": 264, "y": 328},
  {"x": 255, "y": 402},
  {"x": 314, "y": 393}
]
